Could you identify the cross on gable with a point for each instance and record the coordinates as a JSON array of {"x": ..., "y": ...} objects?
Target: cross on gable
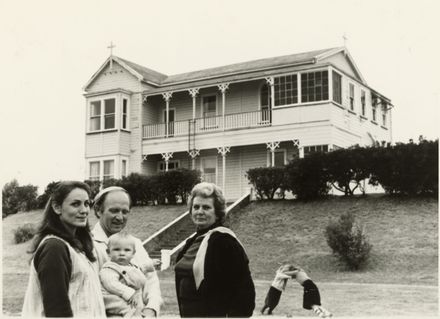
[{"x": 111, "y": 46}]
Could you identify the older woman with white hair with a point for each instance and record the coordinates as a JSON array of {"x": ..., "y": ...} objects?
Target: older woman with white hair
[{"x": 212, "y": 270}]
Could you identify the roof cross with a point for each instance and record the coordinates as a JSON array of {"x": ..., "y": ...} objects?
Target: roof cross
[
  {"x": 111, "y": 46},
  {"x": 345, "y": 38}
]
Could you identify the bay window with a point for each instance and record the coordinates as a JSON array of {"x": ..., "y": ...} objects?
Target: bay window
[{"x": 108, "y": 114}]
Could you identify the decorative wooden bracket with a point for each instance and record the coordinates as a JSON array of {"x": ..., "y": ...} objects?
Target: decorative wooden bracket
[
  {"x": 193, "y": 92},
  {"x": 223, "y": 87},
  {"x": 194, "y": 153},
  {"x": 273, "y": 145},
  {"x": 223, "y": 150}
]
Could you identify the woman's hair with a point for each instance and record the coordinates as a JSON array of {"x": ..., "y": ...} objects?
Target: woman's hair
[
  {"x": 52, "y": 225},
  {"x": 98, "y": 202},
  {"x": 210, "y": 190}
]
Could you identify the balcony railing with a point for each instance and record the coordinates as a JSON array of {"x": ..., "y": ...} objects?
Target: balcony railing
[{"x": 208, "y": 124}]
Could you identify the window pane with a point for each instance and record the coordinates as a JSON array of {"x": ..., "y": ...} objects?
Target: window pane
[
  {"x": 279, "y": 159},
  {"x": 337, "y": 94},
  {"x": 209, "y": 105},
  {"x": 109, "y": 167},
  {"x": 95, "y": 108},
  {"x": 95, "y": 124},
  {"x": 94, "y": 171},
  {"x": 109, "y": 122},
  {"x": 124, "y": 168},
  {"x": 110, "y": 106}
]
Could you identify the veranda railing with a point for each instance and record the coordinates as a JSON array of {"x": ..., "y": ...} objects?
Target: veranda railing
[{"x": 208, "y": 124}]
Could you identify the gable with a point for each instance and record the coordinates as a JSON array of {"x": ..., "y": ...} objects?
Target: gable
[
  {"x": 114, "y": 78},
  {"x": 343, "y": 63}
]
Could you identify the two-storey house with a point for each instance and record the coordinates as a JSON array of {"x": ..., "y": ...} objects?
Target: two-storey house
[{"x": 226, "y": 120}]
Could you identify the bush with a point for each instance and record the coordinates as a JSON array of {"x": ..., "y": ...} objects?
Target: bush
[
  {"x": 267, "y": 180},
  {"x": 24, "y": 233},
  {"x": 44, "y": 198},
  {"x": 94, "y": 187},
  {"x": 348, "y": 241},
  {"x": 409, "y": 169},
  {"x": 18, "y": 198},
  {"x": 307, "y": 177}
]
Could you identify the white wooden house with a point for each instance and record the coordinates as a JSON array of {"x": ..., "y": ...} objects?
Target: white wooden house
[{"x": 228, "y": 119}]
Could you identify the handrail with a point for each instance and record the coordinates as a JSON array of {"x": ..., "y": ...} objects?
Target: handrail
[
  {"x": 209, "y": 123},
  {"x": 160, "y": 231}
]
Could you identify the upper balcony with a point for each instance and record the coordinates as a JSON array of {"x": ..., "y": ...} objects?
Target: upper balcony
[{"x": 208, "y": 124}]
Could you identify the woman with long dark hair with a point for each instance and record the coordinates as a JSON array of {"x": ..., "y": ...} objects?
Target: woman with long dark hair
[{"x": 63, "y": 278}]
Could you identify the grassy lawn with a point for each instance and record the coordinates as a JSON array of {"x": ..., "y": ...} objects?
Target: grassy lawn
[{"x": 400, "y": 279}]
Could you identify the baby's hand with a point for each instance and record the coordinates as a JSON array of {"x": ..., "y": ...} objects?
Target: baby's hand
[{"x": 134, "y": 301}]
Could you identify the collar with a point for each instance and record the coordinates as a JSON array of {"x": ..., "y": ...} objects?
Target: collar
[{"x": 98, "y": 234}]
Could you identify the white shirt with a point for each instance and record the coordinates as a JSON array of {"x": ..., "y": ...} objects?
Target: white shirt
[{"x": 140, "y": 259}]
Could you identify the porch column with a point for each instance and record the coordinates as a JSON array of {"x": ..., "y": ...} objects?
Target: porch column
[
  {"x": 223, "y": 87},
  {"x": 223, "y": 150},
  {"x": 271, "y": 82},
  {"x": 193, "y": 92},
  {"x": 166, "y": 156},
  {"x": 193, "y": 153},
  {"x": 167, "y": 97},
  {"x": 272, "y": 146}
]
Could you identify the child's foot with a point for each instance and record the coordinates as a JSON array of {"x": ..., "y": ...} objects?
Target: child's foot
[{"x": 321, "y": 311}]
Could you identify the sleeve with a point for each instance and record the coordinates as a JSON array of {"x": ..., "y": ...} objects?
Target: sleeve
[
  {"x": 152, "y": 285},
  {"x": 54, "y": 268},
  {"x": 230, "y": 283},
  {"x": 110, "y": 282}
]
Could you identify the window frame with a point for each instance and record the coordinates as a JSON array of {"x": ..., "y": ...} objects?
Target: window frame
[
  {"x": 97, "y": 177},
  {"x": 118, "y": 112},
  {"x": 108, "y": 176},
  {"x": 334, "y": 72},
  {"x": 297, "y": 89},
  {"x": 164, "y": 164},
  {"x": 314, "y": 86},
  {"x": 351, "y": 96},
  {"x": 319, "y": 145},
  {"x": 363, "y": 98},
  {"x": 202, "y": 97},
  {"x": 278, "y": 150}
]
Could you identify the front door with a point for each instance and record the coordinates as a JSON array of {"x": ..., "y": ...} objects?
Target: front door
[{"x": 209, "y": 169}]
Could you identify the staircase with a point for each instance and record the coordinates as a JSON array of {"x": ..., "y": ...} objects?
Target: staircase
[{"x": 174, "y": 238}]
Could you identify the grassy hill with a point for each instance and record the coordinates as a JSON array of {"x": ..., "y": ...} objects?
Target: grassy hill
[
  {"x": 400, "y": 279},
  {"x": 403, "y": 232}
]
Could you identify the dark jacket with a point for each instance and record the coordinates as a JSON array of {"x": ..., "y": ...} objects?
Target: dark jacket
[{"x": 227, "y": 289}]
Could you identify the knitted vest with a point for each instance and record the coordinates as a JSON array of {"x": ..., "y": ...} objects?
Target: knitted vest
[{"x": 84, "y": 288}]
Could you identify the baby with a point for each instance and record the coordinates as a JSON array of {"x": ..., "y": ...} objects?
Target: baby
[
  {"x": 122, "y": 282},
  {"x": 311, "y": 298}
]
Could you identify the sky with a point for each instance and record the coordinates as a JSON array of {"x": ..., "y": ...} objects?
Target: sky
[{"x": 50, "y": 49}]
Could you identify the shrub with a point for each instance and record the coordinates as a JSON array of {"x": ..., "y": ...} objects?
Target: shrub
[
  {"x": 94, "y": 187},
  {"x": 347, "y": 168},
  {"x": 348, "y": 241},
  {"x": 24, "y": 233},
  {"x": 44, "y": 198},
  {"x": 138, "y": 186},
  {"x": 267, "y": 180},
  {"x": 18, "y": 198},
  {"x": 307, "y": 177}
]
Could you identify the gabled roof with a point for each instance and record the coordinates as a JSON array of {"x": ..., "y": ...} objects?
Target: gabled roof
[
  {"x": 161, "y": 80},
  {"x": 140, "y": 72}
]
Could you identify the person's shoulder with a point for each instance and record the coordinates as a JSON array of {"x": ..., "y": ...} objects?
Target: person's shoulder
[
  {"x": 53, "y": 243},
  {"x": 223, "y": 238}
]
